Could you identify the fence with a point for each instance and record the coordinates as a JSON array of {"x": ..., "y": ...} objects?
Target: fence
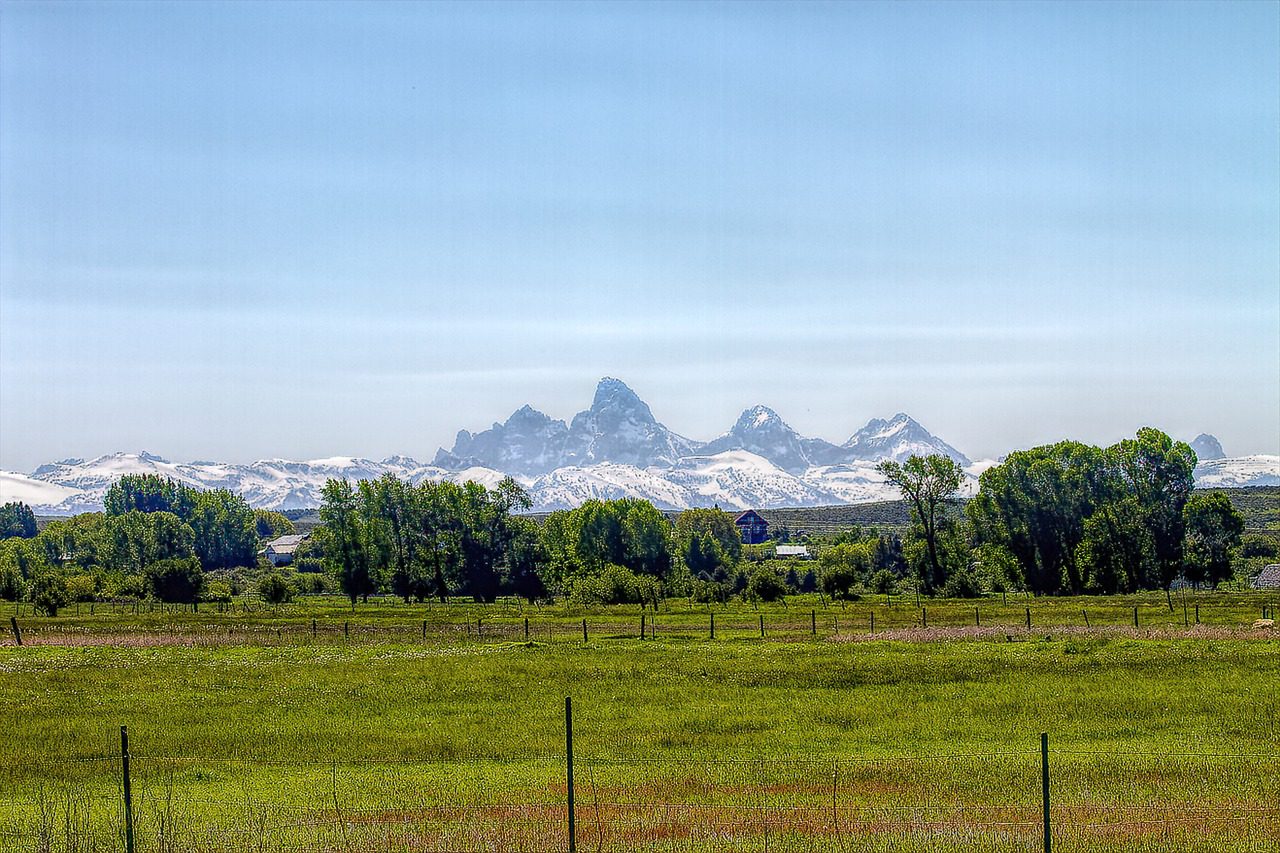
[
  {"x": 216, "y": 624},
  {"x": 1032, "y": 799}
]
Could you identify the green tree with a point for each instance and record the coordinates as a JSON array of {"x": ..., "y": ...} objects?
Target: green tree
[
  {"x": 929, "y": 484},
  {"x": 275, "y": 589},
  {"x": 175, "y": 580},
  {"x": 49, "y": 592},
  {"x": 17, "y": 519},
  {"x": 271, "y": 525},
  {"x": 225, "y": 528},
  {"x": 1213, "y": 531},
  {"x": 148, "y": 493},
  {"x": 713, "y": 521},
  {"x": 345, "y": 550},
  {"x": 1116, "y": 548},
  {"x": 1034, "y": 505},
  {"x": 526, "y": 559},
  {"x": 765, "y": 584},
  {"x": 1159, "y": 473},
  {"x": 843, "y": 567}
]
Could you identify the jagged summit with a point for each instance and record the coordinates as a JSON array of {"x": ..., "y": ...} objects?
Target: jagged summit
[
  {"x": 760, "y": 430},
  {"x": 615, "y": 448},
  {"x": 898, "y": 438},
  {"x": 619, "y": 427},
  {"x": 1207, "y": 448},
  {"x": 615, "y": 394}
]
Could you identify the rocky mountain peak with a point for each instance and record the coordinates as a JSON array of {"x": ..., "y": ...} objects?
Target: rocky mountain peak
[
  {"x": 614, "y": 395},
  {"x": 1207, "y": 448}
]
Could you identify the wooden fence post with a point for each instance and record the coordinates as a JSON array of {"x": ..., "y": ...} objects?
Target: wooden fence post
[
  {"x": 642, "y": 625},
  {"x": 1028, "y": 618},
  {"x": 584, "y": 630},
  {"x": 761, "y": 624},
  {"x": 424, "y": 629},
  {"x": 1085, "y": 613},
  {"x": 568, "y": 753},
  {"x": 346, "y": 630},
  {"x": 17, "y": 632},
  {"x": 1135, "y": 617},
  {"x": 813, "y": 622},
  {"x": 713, "y": 625},
  {"x": 1044, "y": 789},
  {"x": 924, "y": 617},
  {"x": 977, "y": 619},
  {"x": 128, "y": 791}
]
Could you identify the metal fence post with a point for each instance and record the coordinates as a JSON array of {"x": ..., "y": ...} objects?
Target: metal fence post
[
  {"x": 568, "y": 751},
  {"x": 128, "y": 791},
  {"x": 1044, "y": 786}
]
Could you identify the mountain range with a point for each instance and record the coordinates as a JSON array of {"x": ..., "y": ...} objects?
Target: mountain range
[{"x": 616, "y": 448}]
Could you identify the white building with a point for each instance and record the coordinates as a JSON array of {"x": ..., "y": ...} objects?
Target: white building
[{"x": 280, "y": 551}]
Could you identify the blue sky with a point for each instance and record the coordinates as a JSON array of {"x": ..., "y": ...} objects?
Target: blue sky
[{"x": 236, "y": 231}]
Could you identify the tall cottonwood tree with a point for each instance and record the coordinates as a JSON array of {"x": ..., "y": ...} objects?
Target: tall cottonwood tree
[{"x": 929, "y": 484}]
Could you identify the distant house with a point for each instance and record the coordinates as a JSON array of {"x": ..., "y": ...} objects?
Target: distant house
[
  {"x": 752, "y": 527},
  {"x": 796, "y": 551},
  {"x": 280, "y": 551},
  {"x": 1268, "y": 578}
]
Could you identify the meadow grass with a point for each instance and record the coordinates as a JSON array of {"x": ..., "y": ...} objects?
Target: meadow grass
[{"x": 1161, "y": 739}]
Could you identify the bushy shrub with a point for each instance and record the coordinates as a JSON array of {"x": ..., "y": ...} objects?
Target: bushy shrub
[
  {"x": 177, "y": 580},
  {"x": 217, "y": 590},
  {"x": 49, "y": 592},
  {"x": 764, "y": 584},
  {"x": 81, "y": 587},
  {"x": 12, "y": 586},
  {"x": 705, "y": 591},
  {"x": 884, "y": 582},
  {"x": 962, "y": 584},
  {"x": 614, "y": 585},
  {"x": 275, "y": 589}
]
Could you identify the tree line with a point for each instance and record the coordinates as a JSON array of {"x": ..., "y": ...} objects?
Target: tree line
[
  {"x": 1069, "y": 518},
  {"x": 155, "y": 537},
  {"x": 1065, "y": 518}
]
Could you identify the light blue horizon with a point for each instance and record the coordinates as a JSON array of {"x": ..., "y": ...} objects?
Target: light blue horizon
[{"x": 239, "y": 231}]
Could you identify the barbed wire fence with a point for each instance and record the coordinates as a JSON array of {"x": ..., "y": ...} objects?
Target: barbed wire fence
[{"x": 1034, "y": 799}]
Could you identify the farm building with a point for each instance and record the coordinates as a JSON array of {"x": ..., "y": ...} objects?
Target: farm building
[
  {"x": 795, "y": 551},
  {"x": 279, "y": 551},
  {"x": 753, "y": 528},
  {"x": 1268, "y": 578}
]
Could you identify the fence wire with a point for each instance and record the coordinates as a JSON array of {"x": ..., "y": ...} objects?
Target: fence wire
[{"x": 1152, "y": 801}]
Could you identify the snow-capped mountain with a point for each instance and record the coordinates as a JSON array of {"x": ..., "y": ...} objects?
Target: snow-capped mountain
[
  {"x": 619, "y": 427},
  {"x": 1236, "y": 471},
  {"x": 528, "y": 443},
  {"x": 616, "y": 448},
  {"x": 761, "y": 431},
  {"x": 898, "y": 438}
]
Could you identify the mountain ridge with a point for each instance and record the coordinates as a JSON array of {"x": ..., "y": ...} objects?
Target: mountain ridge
[{"x": 614, "y": 448}]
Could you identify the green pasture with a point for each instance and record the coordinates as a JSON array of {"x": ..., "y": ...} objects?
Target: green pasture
[{"x": 1161, "y": 739}]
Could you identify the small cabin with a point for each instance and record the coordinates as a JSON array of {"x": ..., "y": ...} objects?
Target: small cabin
[
  {"x": 279, "y": 551},
  {"x": 752, "y": 527}
]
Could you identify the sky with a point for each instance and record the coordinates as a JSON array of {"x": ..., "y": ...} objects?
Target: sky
[{"x": 240, "y": 231}]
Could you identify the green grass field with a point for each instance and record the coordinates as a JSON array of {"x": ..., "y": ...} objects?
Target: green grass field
[{"x": 249, "y": 733}]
